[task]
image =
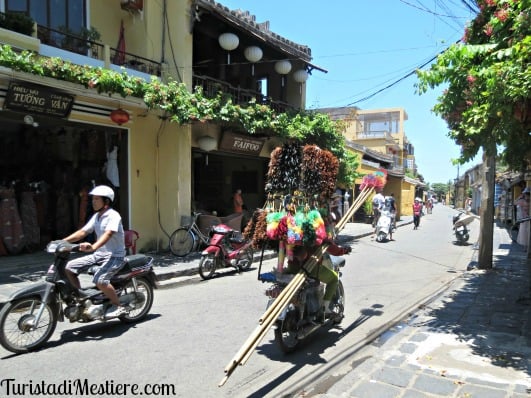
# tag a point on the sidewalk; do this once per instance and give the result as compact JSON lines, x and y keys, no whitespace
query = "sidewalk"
{"x":474,"y":340}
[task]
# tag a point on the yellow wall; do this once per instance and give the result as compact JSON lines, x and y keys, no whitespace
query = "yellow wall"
{"x":160,"y":151}
{"x":408,"y":197}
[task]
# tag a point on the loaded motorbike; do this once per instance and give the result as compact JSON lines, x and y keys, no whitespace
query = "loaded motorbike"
{"x":304,"y":314}
{"x":226,"y":248}
{"x":29,"y":318}
{"x":460,"y":222}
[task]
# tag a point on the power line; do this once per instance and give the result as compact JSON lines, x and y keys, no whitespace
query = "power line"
{"x":398,"y":80}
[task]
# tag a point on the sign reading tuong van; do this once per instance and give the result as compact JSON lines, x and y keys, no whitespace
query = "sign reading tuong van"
{"x":30,"y":98}
{"x":241,"y":143}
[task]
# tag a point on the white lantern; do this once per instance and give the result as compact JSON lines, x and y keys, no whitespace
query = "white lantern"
{"x":229,"y":42}
{"x":253,"y":54}
{"x":207,"y":144}
{"x":300,"y":76}
{"x":282,"y":68}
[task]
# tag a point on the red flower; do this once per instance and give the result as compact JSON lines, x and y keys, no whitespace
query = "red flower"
{"x":488,"y":30}
{"x":471,"y":79}
{"x":502,"y":15}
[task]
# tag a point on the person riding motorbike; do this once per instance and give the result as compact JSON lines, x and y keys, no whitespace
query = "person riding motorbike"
{"x":108,"y":251}
{"x":378,"y":201}
{"x":323,"y":271}
{"x":390,"y":205}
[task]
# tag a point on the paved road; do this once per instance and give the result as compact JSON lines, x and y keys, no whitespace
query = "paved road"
{"x":196,"y":329}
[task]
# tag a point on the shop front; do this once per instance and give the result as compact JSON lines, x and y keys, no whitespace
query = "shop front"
{"x":234,"y":161}
{"x":49,"y":163}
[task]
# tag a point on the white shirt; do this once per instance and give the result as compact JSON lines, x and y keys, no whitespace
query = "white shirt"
{"x":378,"y":200}
{"x":108,"y":221}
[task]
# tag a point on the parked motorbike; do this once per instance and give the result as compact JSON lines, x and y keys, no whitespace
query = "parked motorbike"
{"x":304,"y":314}
{"x":226,"y":248}
{"x":460,"y":222}
{"x":30,"y":316}
{"x":384,"y":226}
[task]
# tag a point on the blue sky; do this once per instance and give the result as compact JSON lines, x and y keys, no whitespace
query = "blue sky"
{"x":367,"y":45}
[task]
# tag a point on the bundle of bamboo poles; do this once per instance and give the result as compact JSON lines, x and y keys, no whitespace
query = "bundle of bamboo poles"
{"x":273,"y":312}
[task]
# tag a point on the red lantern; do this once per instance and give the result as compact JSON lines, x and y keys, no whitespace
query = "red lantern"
{"x":119,"y":116}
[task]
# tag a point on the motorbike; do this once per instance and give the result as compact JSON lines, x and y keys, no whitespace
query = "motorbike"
{"x":460,"y":222}
{"x":226,"y":248}
{"x":29,"y":318}
{"x":384,"y":226}
{"x":304,"y":314}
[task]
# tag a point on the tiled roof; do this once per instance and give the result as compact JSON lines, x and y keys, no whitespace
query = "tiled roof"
{"x":246,"y":21}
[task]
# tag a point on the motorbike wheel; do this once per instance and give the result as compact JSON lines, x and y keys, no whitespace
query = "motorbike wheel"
{"x":181,"y":242}
{"x":142,"y":303}
{"x":246,"y":259}
{"x":286,"y":332}
{"x":16,"y":319}
{"x":338,"y":304}
{"x":207,"y":266}
{"x":380,"y":237}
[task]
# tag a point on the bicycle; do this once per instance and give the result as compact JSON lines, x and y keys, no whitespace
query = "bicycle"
{"x":186,"y":239}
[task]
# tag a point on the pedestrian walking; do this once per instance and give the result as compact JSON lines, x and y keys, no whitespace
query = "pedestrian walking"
{"x":237,"y":201}
{"x":417,"y":209}
{"x":523,"y":227}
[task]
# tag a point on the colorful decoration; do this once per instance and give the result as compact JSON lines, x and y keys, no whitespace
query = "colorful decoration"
{"x":376,"y":180}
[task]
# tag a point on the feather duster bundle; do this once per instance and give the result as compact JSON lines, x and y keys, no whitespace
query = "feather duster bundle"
{"x":376,"y":180}
{"x":256,"y":229}
{"x":319,"y":171}
{"x":284,"y":168}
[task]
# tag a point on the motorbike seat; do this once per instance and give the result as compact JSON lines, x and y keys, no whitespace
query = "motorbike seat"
{"x":130,"y":262}
{"x":337,"y":261}
{"x":88,"y":292}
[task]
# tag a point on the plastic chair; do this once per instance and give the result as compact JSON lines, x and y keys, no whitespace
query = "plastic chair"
{"x":131,"y":237}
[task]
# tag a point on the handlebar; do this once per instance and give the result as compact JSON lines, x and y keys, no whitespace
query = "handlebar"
{"x":62,"y":246}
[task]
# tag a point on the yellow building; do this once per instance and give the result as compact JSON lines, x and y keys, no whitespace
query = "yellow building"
{"x":378,"y":137}
{"x":161,"y":171}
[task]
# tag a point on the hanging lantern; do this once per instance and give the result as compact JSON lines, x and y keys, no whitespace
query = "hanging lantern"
{"x":229,"y":42}
{"x":119,"y":116}
{"x":283,"y":67}
{"x":207,"y":144}
{"x":253,"y":54}
{"x":300,"y":76}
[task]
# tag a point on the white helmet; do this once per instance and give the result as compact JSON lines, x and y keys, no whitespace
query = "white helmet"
{"x":104,"y":191}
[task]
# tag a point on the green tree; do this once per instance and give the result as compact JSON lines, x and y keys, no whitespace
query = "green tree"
{"x":487,"y":103}
{"x":440,"y":189}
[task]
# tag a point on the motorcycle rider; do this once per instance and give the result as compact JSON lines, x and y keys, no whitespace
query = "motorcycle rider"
{"x":323,"y":272}
{"x":378,"y":202}
{"x":390,"y":205}
{"x":108,"y":250}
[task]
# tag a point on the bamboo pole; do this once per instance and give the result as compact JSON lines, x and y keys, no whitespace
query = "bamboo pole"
{"x":283,"y":299}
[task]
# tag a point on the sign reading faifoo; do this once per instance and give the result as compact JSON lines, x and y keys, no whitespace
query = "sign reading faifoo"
{"x":232,"y":142}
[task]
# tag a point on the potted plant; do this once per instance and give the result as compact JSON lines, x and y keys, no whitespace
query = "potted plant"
{"x":17,"y":22}
{"x":367,"y":208}
{"x":79,"y":42}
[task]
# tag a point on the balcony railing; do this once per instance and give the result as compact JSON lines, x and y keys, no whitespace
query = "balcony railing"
{"x":82,"y":46}
{"x":374,"y":134}
{"x":211,"y":87}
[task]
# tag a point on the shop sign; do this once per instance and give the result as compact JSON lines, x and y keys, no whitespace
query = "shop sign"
{"x":22,"y":97}
{"x":241,"y":143}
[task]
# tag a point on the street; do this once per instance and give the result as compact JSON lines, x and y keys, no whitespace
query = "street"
{"x":194,"y":330}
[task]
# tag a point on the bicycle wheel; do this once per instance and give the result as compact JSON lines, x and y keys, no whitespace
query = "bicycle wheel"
{"x":182,"y":242}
